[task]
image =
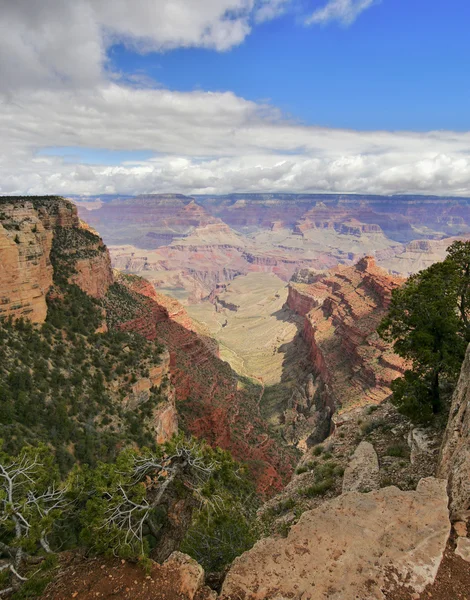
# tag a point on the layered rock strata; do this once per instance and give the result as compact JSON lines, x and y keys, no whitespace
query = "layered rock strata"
{"x":25,"y":266}
{"x":30,"y":230}
{"x":210,"y":401}
{"x":341,"y":311}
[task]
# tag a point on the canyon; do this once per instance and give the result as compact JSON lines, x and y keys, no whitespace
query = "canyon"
{"x":229,"y":261}
{"x":205,"y":396}
{"x":187,"y":245}
{"x":280,"y":364}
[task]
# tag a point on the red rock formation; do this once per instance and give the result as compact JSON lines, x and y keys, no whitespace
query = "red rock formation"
{"x":209,"y":400}
{"x":342,"y":310}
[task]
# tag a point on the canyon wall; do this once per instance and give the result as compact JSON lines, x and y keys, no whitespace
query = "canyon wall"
{"x":341,"y":311}
{"x":211,"y":403}
{"x":30,"y":230}
{"x":43,"y":244}
{"x":454,"y":460}
{"x":187,"y":245}
{"x":25,"y":267}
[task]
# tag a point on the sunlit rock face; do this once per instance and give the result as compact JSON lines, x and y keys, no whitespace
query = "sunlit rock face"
{"x":342,"y":310}
{"x":359,"y":545}
{"x":454,"y":462}
{"x":30,"y":230}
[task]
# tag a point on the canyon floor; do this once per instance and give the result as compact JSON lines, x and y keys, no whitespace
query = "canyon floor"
{"x":258,"y":336}
{"x":248,"y":320}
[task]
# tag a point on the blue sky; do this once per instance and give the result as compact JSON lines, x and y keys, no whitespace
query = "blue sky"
{"x":220,"y":96}
{"x":403,"y":64}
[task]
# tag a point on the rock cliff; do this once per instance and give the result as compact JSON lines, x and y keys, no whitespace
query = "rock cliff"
{"x":210,"y":400}
{"x":31,"y":229}
{"x":25,"y":267}
{"x":341,"y":311}
{"x":454,"y":460}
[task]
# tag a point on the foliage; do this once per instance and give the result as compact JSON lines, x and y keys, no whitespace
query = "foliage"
{"x":64,"y":384}
{"x":125,"y":508}
{"x":398,"y":451}
{"x":124,"y":305}
{"x":225,"y":525}
{"x":325,"y":475}
{"x":129,"y":502}
{"x":33,"y":500}
{"x":428,"y":323}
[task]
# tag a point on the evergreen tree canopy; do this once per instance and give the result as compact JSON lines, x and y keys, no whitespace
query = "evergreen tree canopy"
{"x":428,"y":323}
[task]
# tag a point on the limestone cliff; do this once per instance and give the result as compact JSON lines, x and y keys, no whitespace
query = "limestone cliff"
{"x":454,"y":460}
{"x":34,"y":231}
{"x":341,"y":311}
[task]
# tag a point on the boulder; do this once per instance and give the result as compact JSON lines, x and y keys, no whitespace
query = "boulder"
{"x":354,"y":546}
{"x":420,"y":444}
{"x":463,"y":548}
{"x":190,"y":574}
{"x":362,"y":472}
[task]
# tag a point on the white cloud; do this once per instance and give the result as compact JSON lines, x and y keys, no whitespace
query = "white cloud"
{"x":267,"y":10}
{"x":212,"y":143}
{"x":57,"y":42}
{"x":343,"y":11}
{"x":56,"y":94}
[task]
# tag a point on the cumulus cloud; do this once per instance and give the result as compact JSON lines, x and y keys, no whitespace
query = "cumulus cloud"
{"x":343,"y":11}
{"x":57,"y":42}
{"x":206,"y":142}
{"x":57,"y":95}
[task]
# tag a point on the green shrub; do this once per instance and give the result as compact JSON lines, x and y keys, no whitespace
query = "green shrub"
{"x":318,"y":489}
{"x":398,"y":451}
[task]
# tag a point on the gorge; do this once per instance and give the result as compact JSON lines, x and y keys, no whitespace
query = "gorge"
{"x":276,"y":360}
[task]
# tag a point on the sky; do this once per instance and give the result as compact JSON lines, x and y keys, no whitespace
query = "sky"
{"x":222,"y":96}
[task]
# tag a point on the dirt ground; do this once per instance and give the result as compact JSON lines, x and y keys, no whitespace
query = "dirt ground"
{"x":88,"y":579}
{"x":452,"y":581}
{"x":112,"y":579}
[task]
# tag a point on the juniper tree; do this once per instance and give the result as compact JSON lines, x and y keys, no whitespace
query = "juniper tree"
{"x":428,"y":323}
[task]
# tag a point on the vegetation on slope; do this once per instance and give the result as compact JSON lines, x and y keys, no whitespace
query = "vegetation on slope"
{"x":139,"y":506}
{"x":63,"y":384}
{"x":78,"y":468}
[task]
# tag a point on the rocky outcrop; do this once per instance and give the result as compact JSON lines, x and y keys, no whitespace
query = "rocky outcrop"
{"x":25,"y":266}
{"x":94,"y":274}
{"x":338,"y":219}
{"x":454,"y":460}
{"x":362,"y":473}
{"x":38,"y":235}
{"x":164,"y":417}
{"x":355,"y":546}
{"x":341,"y":311}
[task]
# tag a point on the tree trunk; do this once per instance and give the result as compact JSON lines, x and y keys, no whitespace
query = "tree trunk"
{"x":179,"y":519}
